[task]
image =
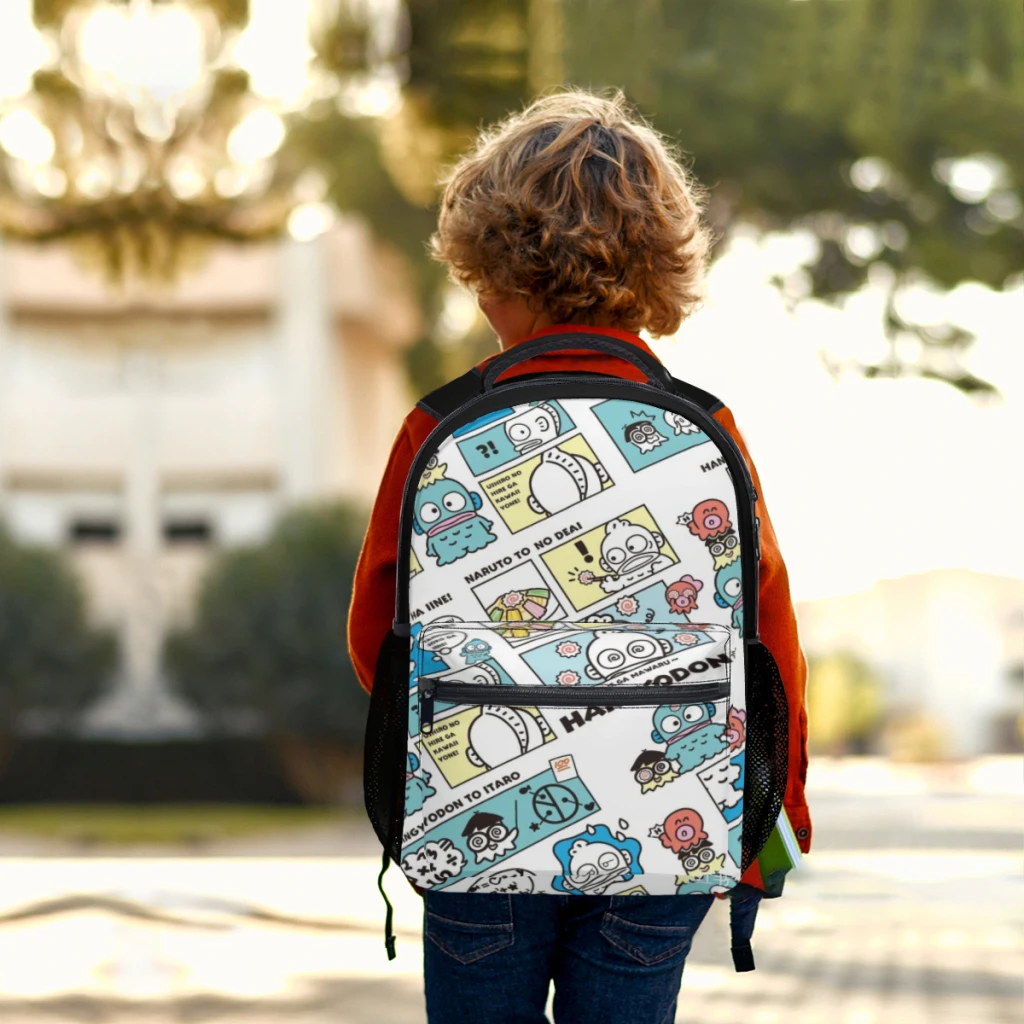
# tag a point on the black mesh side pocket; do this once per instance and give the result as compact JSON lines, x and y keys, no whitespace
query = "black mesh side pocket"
{"x":386,"y":746}
{"x":767,"y":753}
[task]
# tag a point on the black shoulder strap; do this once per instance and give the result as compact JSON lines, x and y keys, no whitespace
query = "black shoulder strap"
{"x":704,"y":399}
{"x":446,"y":399}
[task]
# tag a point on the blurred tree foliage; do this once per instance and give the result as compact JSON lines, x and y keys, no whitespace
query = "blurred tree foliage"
{"x":845,"y":118}
{"x":52,"y":663}
{"x":844,"y":702}
{"x":268,"y":638}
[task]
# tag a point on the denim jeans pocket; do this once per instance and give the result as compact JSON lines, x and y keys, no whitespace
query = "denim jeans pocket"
{"x":469,"y":926}
{"x":653,"y":929}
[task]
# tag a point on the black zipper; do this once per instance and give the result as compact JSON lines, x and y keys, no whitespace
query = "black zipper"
{"x":506,"y":395}
{"x":562,"y":697}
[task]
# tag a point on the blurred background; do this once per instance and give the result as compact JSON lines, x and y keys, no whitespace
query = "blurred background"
{"x":215,"y":309}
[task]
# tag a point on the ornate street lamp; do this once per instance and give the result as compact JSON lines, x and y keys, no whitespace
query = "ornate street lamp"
{"x":146,"y":129}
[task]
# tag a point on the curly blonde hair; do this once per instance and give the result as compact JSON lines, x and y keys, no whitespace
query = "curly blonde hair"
{"x":578,"y":205}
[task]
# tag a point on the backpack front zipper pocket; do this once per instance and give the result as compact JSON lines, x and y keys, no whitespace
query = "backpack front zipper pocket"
{"x":608,"y":697}
{"x":628,"y":677}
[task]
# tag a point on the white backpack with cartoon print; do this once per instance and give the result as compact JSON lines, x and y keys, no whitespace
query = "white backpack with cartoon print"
{"x":573,"y":698}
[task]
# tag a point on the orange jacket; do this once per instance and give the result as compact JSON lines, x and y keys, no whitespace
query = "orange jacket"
{"x":373,"y":595}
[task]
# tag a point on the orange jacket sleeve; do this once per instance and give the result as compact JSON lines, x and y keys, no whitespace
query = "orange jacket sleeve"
{"x":777,"y":625}
{"x":373,"y":590}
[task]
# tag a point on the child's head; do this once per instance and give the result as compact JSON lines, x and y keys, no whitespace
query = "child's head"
{"x":579,"y":208}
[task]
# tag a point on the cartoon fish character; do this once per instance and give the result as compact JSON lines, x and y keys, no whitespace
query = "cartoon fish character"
{"x":448,"y":514}
{"x":417,"y":785}
{"x":653,"y":769}
{"x":613,"y":652}
{"x":562,"y":480}
{"x":533,"y":427}
{"x":729,"y":590}
{"x":689,"y":733}
{"x":596,"y":859}
{"x":630,"y":552}
{"x":475,"y":650}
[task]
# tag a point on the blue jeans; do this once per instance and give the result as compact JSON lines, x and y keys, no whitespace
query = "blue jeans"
{"x":488,"y":958}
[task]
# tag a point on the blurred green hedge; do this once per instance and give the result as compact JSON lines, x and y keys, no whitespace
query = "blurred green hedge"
{"x":266,"y":650}
{"x":53,"y":664}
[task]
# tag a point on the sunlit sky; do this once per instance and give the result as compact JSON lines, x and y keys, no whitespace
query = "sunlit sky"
{"x":864,"y":480}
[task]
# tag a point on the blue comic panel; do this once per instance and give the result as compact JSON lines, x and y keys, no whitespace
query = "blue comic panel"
{"x":523,"y":433}
{"x":646,"y":435}
{"x":473,"y":840}
{"x":617,"y":656}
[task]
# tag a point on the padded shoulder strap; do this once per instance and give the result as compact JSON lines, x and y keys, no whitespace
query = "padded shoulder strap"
{"x":448,"y":397}
{"x":704,"y":399}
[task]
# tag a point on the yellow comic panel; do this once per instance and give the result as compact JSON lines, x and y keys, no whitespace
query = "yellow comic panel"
{"x":471,"y":742}
{"x":551,"y":482}
{"x":619,"y":554}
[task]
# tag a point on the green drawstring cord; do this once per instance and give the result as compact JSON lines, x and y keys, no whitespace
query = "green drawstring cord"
{"x":389,"y":934}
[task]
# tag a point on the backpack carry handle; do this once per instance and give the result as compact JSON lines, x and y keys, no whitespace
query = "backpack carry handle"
{"x":655,"y":373}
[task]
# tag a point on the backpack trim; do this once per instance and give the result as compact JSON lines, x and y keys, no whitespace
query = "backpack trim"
{"x":443,"y":401}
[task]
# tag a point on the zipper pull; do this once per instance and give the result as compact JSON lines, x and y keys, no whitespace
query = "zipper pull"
{"x":426,"y":705}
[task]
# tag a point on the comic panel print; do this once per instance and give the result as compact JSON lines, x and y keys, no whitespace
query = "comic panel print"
{"x":474,"y":740}
{"x":558,"y":478}
{"x":617,"y":656}
{"x":645,"y":435}
{"x":619,"y":554}
{"x":521,"y":433}
{"x":659,"y":602}
{"x":518,"y":600}
{"x":470,"y":840}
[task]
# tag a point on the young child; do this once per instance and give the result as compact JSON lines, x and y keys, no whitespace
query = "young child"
{"x":571,"y":215}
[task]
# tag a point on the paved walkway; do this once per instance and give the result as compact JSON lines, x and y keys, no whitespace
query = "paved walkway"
{"x":908,"y":912}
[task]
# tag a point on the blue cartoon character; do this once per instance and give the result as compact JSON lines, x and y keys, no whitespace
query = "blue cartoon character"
{"x":448,"y":514}
{"x":417,"y":787}
{"x":476,"y":650}
{"x":690,"y":734}
{"x":729,"y":590}
{"x":596,"y":859}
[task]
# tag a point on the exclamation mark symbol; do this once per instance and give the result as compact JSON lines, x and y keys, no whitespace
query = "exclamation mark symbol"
{"x":488,"y":449}
{"x":582,"y":549}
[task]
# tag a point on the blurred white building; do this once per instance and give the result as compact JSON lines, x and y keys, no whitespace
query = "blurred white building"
{"x":948,"y":642}
{"x":142,"y":431}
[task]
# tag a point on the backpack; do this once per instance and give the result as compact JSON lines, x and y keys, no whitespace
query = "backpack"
{"x":573,"y":698}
